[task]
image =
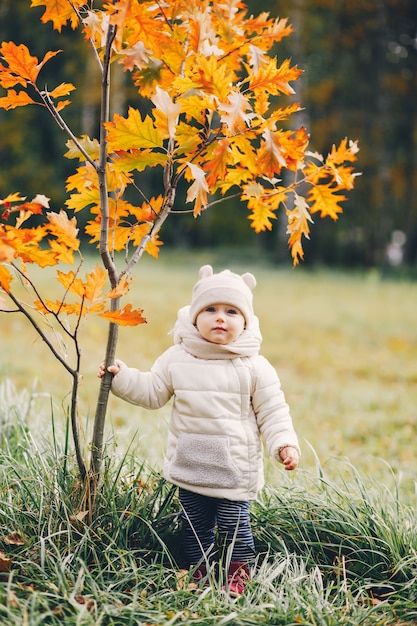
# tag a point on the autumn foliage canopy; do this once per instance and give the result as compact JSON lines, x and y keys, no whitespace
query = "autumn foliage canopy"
{"x":219,"y":119}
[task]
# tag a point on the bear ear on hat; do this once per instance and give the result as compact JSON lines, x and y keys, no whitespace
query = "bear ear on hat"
{"x":205,"y":271}
{"x":249,"y":279}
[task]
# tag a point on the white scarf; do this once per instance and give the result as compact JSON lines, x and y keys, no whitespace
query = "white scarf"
{"x":247,"y":344}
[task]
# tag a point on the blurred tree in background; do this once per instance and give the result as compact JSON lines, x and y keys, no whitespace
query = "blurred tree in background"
{"x":360,"y":62}
{"x":360,"y":80}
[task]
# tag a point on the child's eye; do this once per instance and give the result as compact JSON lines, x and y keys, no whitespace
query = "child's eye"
{"x":232,"y":311}
{"x":210,"y":309}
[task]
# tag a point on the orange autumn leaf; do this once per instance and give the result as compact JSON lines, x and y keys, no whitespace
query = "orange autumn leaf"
{"x":325,"y":200}
{"x":71,"y":283}
{"x":91,"y":289}
{"x":125,"y":316}
{"x":263,"y":205}
{"x":22,"y":67}
{"x":343,"y":152}
{"x":271,"y":156}
{"x":5,"y":276}
{"x":152,"y":247}
{"x":216,"y":166}
{"x":95,"y":283}
{"x":15,"y":99}
{"x":63,"y":254}
{"x":121,"y":288}
{"x":62,"y":90}
{"x":261,"y":216}
{"x":59,"y":12}
{"x":275,"y":80}
{"x":64,"y":229}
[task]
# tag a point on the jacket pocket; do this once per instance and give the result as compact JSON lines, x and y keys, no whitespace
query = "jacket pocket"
{"x":204,"y":461}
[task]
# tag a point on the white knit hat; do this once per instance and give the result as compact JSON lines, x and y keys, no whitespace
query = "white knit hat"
{"x":225,"y":287}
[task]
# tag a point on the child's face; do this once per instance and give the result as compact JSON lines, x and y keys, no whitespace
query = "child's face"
{"x":220,"y":323}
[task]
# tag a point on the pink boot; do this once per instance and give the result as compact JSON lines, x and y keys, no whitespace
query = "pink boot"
{"x":237,"y":578}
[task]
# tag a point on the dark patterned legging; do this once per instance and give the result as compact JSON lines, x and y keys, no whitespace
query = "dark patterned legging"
{"x":201,"y":516}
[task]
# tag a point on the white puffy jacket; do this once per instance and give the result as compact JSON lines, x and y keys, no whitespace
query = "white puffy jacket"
{"x":221,"y":408}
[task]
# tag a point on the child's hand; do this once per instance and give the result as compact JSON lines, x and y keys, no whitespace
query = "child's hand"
{"x":289,"y":457}
{"x":114,"y":369}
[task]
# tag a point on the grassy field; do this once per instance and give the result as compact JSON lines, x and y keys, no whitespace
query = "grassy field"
{"x":337,"y":539}
{"x":345,"y":347}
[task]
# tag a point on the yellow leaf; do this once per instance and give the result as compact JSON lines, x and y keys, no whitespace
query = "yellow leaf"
{"x":96,"y":281}
{"x":58,"y":307}
{"x":13,"y":197}
{"x":314,"y":173}
{"x":186,"y":139}
{"x":26,"y":245}
{"x":235,"y":177}
{"x":139,"y":232}
{"x":91,"y":146}
{"x":261,"y":216}
{"x":152,"y":247}
{"x":195,"y":106}
{"x":275,"y":80}
{"x":243,"y":153}
{"x":343,"y":152}
{"x":125,"y":316}
{"x":5,"y":277}
{"x":324,"y":199}
{"x":62,"y":90}
{"x":132,"y":132}
{"x":136,"y":159}
{"x":211,"y":76}
{"x":263,"y":204}
{"x":62,"y":252}
{"x":344,"y":176}
{"x":85,"y":177}
{"x":71,"y":283}
{"x":87,"y":197}
{"x":121,"y":288}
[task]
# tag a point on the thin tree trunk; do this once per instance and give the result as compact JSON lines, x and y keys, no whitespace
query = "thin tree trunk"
{"x":100,"y":415}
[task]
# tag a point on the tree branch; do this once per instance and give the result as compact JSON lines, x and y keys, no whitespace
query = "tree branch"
{"x":104,"y":206}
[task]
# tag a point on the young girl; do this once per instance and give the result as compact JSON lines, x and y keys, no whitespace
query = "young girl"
{"x":226,"y":399}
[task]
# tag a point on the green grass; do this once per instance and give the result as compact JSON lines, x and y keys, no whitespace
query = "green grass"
{"x":337,"y":539}
{"x":331,"y":553}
